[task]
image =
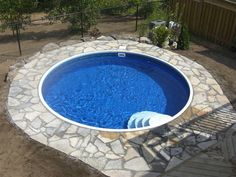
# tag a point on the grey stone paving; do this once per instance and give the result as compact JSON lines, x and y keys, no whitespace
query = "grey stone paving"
{"x":143,"y":153}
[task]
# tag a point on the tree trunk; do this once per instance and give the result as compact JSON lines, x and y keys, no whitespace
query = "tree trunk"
{"x":13,"y":32}
{"x":18,"y":38}
{"x":81,"y":18}
{"x":137,"y":13}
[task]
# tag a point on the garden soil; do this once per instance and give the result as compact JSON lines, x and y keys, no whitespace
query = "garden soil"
{"x":21,"y":157}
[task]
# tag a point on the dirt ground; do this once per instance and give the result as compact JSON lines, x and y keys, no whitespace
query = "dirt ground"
{"x":20,"y":157}
{"x":219,"y":61}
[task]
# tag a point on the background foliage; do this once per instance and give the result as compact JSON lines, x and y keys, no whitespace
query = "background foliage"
{"x":14,"y":12}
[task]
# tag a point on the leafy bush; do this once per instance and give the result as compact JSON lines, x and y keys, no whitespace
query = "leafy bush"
{"x":159,"y":35}
{"x":183,"y":42}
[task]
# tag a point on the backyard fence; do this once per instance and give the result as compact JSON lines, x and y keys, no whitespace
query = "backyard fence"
{"x":214,"y":20}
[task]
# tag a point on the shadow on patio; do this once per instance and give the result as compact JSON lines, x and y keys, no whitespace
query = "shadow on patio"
{"x":168,"y":147}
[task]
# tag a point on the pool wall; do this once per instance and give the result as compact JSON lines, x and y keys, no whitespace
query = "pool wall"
{"x":67,"y":61}
{"x":138,"y":153}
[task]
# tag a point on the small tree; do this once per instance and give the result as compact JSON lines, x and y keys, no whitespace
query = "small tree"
{"x":81,"y":14}
{"x":176,"y":14}
{"x":14,"y":14}
{"x":183,"y":42}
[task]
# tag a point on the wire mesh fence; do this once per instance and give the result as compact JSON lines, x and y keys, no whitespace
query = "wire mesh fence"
{"x":42,"y":31}
{"x":43,"y":28}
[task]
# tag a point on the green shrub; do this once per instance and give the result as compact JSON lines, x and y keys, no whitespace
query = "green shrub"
{"x":183,"y":42}
{"x":159,"y":35}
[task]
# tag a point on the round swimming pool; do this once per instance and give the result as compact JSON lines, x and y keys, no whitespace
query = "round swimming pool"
{"x":103,"y":90}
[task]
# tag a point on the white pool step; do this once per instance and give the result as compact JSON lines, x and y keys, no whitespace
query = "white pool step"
{"x":138,"y":122}
{"x":145,"y":121}
{"x":148,"y":118}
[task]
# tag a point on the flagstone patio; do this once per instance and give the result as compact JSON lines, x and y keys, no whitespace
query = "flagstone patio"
{"x":141,"y":153}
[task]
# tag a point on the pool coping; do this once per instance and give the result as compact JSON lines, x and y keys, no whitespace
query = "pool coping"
{"x":125,"y":153}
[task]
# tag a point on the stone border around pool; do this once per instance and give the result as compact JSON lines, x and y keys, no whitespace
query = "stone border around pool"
{"x":143,"y":153}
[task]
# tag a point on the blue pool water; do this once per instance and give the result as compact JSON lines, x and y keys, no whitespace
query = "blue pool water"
{"x":104,"y":90}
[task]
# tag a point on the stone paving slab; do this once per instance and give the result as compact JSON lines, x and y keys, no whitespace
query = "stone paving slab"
{"x":143,"y":153}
